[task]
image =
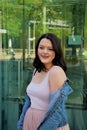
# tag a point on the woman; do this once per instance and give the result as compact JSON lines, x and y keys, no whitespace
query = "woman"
{"x":44,"y":108}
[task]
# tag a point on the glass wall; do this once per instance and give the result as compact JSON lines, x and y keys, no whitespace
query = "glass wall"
{"x":21,"y":23}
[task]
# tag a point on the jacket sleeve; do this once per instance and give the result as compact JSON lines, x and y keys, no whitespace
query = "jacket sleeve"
{"x":25,"y":107}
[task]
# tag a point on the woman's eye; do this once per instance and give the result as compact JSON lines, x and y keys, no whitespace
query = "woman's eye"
{"x":41,"y":47}
{"x":51,"y":49}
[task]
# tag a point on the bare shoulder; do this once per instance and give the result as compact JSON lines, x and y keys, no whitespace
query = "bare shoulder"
{"x":57,"y":77}
{"x":56,"y":69}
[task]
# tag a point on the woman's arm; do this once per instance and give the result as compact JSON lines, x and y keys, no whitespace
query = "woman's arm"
{"x":25,"y":107}
{"x":57,"y":77}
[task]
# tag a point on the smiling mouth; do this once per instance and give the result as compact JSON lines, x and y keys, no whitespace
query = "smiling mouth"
{"x":44,"y":56}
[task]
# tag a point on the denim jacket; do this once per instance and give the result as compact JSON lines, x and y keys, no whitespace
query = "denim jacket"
{"x":55,"y":117}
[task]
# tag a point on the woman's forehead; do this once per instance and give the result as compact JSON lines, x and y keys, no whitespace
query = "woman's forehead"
{"x":45,"y":41}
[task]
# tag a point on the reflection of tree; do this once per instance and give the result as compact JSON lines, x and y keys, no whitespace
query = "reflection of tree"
{"x":13,"y":14}
{"x":78,"y":14}
{"x":14,"y":11}
{"x":15,"y":19}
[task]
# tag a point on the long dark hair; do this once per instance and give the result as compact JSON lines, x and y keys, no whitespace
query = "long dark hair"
{"x":59,"y":58}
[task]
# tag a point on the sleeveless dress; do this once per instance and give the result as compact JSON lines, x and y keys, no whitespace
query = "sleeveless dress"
{"x":39,"y":94}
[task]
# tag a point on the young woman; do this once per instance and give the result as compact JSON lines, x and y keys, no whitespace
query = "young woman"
{"x":44,"y":108}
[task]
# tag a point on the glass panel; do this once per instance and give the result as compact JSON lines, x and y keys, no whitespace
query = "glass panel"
{"x":74,"y":56}
{"x":21,"y":23}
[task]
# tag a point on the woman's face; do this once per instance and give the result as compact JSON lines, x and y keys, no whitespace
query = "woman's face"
{"x":45,"y":52}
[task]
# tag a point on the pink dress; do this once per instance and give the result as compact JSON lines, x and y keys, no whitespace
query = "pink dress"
{"x":39,"y":94}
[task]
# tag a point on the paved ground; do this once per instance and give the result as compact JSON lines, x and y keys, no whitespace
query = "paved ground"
{"x":17,"y":55}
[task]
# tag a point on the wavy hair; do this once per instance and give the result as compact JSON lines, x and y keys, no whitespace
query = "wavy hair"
{"x":59,"y":58}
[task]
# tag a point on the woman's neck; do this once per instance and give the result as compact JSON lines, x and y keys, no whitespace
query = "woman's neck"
{"x":48,"y":67}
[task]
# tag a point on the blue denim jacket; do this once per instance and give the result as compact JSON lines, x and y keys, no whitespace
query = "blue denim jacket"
{"x":55,"y":117}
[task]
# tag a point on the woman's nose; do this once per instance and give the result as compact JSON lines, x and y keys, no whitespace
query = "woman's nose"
{"x":45,"y":50}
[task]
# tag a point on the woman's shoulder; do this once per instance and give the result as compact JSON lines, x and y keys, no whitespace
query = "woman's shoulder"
{"x":56,"y":69}
{"x":57,"y":72}
{"x":57,"y":77}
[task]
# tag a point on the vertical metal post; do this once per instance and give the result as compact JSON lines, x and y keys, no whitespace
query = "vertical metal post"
{"x":23,"y":33}
{"x":19,"y":78}
{"x":34,"y":36}
{"x":0,"y":37}
{"x":29,"y":39}
{"x":44,"y":19}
